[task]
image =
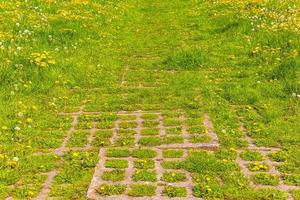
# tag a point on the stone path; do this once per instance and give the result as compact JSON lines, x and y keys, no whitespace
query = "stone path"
{"x":155,"y":131}
{"x":97,"y":181}
{"x":100,"y":169}
{"x":272,"y":170}
{"x":151,"y":130}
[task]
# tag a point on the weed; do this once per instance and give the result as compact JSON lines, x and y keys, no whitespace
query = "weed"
{"x":256,"y":166}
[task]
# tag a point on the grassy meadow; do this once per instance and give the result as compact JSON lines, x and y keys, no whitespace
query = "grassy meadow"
{"x":238,"y":61}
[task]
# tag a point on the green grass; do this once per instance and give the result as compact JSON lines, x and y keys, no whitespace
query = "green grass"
{"x":172,"y":122}
{"x":113,"y":175}
{"x":144,"y":164}
{"x":105,"y":125}
{"x":117,"y":153}
{"x":171,"y":191}
{"x":186,"y":60}
{"x":173,"y":177}
{"x":101,"y":138}
{"x":144,"y":175}
{"x":270,"y":194}
{"x":172,"y":153}
{"x":296,"y":194}
{"x":128,"y":124}
{"x":233,"y":60}
{"x":199,"y":138}
{"x":140,"y":190}
{"x":143,"y":153}
{"x":265,"y":179}
{"x":172,"y":140}
{"x":78,"y":139}
{"x":150,"y":124}
{"x":72,"y":177}
{"x":251,"y":155}
{"x":150,"y":141}
{"x":126,"y":132}
{"x":257,"y":166}
{"x":173,"y":131}
{"x":292,"y":179}
{"x":196,"y":129}
{"x":149,"y":116}
{"x":116,"y":163}
{"x":172,"y":164}
{"x":127,"y":117}
{"x":149,"y":132}
{"x":84,"y":125}
{"x":108,"y":190}
{"x":125,"y":141}
{"x":278,"y":156}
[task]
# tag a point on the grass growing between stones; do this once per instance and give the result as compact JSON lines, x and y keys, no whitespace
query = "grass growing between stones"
{"x":130,"y":76}
{"x":139,"y":190}
{"x":113,"y":175}
{"x":171,"y":191}
{"x":265,"y":179}
{"x":144,"y":175}
{"x":108,"y":190}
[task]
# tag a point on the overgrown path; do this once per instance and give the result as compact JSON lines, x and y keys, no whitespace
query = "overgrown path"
{"x":152,"y":100}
